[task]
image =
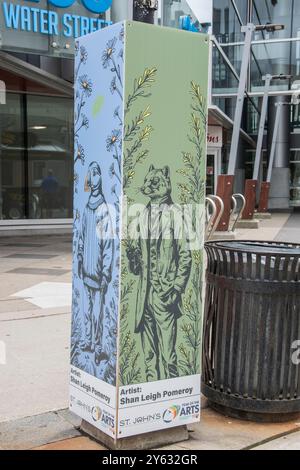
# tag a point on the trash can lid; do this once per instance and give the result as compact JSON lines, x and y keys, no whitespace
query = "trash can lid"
{"x":259,"y":247}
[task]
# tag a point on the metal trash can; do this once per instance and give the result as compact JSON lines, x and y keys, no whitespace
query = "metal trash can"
{"x":251,"y":347}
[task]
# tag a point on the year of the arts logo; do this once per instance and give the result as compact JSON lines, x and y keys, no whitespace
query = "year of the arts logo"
{"x":171,"y":413}
{"x":181,"y":412}
{"x":101,"y":416}
{"x":96,"y":413}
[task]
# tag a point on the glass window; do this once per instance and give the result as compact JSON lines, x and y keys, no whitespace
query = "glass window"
{"x":275,"y":12}
{"x":295,"y":118}
{"x":295,"y":60}
{"x":296,"y":20}
{"x":50,"y":122}
{"x":173,"y":10}
{"x":253,"y":115}
{"x":226,"y":25}
{"x":272,"y":58}
{"x":227,"y":105}
{"x":12,"y":158}
{"x":249,"y":163}
{"x":223,"y":80}
{"x":36,"y":163}
{"x":234,"y":54}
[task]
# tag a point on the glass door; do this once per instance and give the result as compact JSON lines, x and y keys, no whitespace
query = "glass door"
{"x":213,"y":169}
{"x":12,"y":158}
{"x":50,"y":157}
{"x":36,"y":157}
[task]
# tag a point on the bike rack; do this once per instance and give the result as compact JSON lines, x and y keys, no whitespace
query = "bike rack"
{"x":214,"y":220}
{"x":209,"y":217}
{"x":235,"y":198}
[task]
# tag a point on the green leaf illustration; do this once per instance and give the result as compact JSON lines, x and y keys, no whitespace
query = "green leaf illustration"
{"x":97,"y":105}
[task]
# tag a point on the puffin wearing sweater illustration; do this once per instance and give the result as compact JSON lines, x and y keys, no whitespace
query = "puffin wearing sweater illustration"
{"x":95,"y":263}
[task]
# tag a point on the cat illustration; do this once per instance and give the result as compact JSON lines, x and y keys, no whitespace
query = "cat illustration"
{"x":163,"y":263}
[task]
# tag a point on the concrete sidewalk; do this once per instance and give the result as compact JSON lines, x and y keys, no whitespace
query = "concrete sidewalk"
{"x":35,"y":304}
{"x":59,"y":430}
{"x":36,"y":333}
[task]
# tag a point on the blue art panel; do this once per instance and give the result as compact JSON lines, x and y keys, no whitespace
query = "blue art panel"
{"x":97,"y":189}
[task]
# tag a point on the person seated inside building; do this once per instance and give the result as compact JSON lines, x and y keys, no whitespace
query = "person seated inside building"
{"x":49,"y":189}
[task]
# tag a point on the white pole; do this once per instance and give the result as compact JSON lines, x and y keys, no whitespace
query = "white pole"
{"x":263,"y":116}
{"x":274,"y":139}
{"x":249,"y":29}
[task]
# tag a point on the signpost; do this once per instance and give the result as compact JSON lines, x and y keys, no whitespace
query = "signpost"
{"x":140,"y":166}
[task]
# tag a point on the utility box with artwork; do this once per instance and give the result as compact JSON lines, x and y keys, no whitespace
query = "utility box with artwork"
{"x":140,"y":158}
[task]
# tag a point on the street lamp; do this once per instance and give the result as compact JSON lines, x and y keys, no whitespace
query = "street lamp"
{"x":251,"y":184}
{"x":269,"y":27}
{"x":225,"y":182}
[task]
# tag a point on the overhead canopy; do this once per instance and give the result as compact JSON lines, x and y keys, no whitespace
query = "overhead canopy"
{"x":19,"y":75}
{"x":216,"y":117}
{"x":202,"y":9}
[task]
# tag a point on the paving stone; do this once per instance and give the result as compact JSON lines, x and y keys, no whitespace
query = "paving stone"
{"x":78,"y":443}
{"x":288,"y":442}
{"x":29,"y":256}
{"x":36,"y":376}
{"x":47,"y":294}
{"x":218,"y":432}
{"x":22,"y":245}
{"x":35,"y":431}
{"x":268,"y":229}
{"x":291,"y":230}
{"x":70,"y":417}
{"x":14,"y":305}
{"x":30,"y":312}
{"x":39,"y":271}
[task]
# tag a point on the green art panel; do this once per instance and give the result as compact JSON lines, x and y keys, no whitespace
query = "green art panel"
{"x":164,"y":159}
{"x":139,"y":191}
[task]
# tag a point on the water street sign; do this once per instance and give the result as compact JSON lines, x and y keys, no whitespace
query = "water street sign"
{"x":50,"y":26}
